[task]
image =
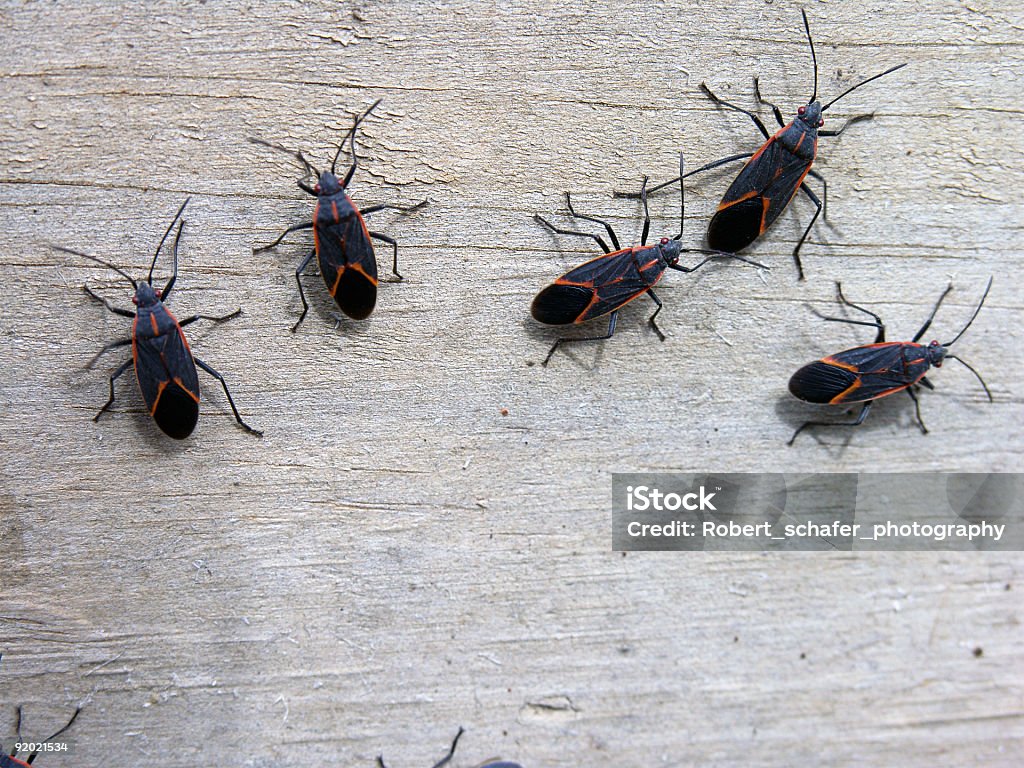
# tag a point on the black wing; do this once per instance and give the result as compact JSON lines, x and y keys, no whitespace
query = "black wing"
{"x":614,"y":279}
{"x":167,"y":375}
{"x":345,"y":255}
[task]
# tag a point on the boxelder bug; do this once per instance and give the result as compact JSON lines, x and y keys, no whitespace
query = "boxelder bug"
{"x":164,"y":365}
{"x":868,"y":373}
{"x":773,"y":174}
{"x":12,"y":761}
{"x":341,"y":241}
{"x":451,"y":753}
{"x":609,"y":282}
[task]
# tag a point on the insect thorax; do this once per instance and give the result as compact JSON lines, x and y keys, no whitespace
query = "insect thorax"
{"x":936,"y":353}
{"x":145,"y":296}
{"x":328,"y":184}
{"x":669,"y":250}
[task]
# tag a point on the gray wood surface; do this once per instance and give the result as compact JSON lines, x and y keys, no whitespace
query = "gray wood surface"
{"x":397,"y":557}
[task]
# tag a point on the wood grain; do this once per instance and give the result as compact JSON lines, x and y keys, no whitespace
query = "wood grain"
{"x":396,"y":557}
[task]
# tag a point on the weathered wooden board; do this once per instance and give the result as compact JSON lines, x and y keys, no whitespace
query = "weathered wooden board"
{"x":396,"y":557}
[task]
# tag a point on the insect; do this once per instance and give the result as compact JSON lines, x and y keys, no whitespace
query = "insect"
{"x":341,"y":240}
{"x":774,"y":173}
{"x":164,"y":365}
{"x":451,"y":753}
{"x":877,"y":370}
{"x":605,"y":284}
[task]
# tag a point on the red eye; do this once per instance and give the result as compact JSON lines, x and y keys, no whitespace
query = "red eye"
{"x":821,"y":122}
{"x":801,"y":111}
{"x":135,"y":301}
{"x":317,"y":189}
{"x":664,"y":241}
{"x":935,"y":343}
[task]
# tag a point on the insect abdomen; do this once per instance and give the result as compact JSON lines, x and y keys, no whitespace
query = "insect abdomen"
{"x":355,"y":293}
{"x":821,"y":382}
{"x":176,"y":411}
{"x":561,"y":304}
{"x":734,"y":228}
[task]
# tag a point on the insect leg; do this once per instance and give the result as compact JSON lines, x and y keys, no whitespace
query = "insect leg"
{"x":647,"y":213}
{"x":917,"y":409}
{"x":17,"y":731}
{"x":400,"y":208}
{"x":231,"y":402}
{"x":394,"y":245}
{"x":302,"y":294}
{"x":857,"y":423}
{"x":105,"y":349}
{"x":824,"y":191}
{"x":611,"y":332}
{"x":761,"y":100}
{"x":295,"y":228}
{"x":757,"y":120}
{"x":654,"y":325}
{"x":541,"y":220}
{"x":847,"y":302}
{"x":444,"y":760}
{"x":451,"y":752}
{"x":602,"y":222}
{"x":814,"y":218}
{"x":113,"y":376}
{"x":215,"y":319}
{"x":879,"y":338}
{"x":107,"y":304}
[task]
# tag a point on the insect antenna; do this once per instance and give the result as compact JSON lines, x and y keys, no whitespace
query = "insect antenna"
{"x":66,"y":726}
{"x":149,"y":277}
{"x":863,"y":82}
{"x":107,"y":264}
{"x":977,"y":375}
{"x":307,"y":166}
{"x":352,"y":133}
{"x":814,"y":58}
{"x":682,"y":199}
{"x":976,"y":311}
